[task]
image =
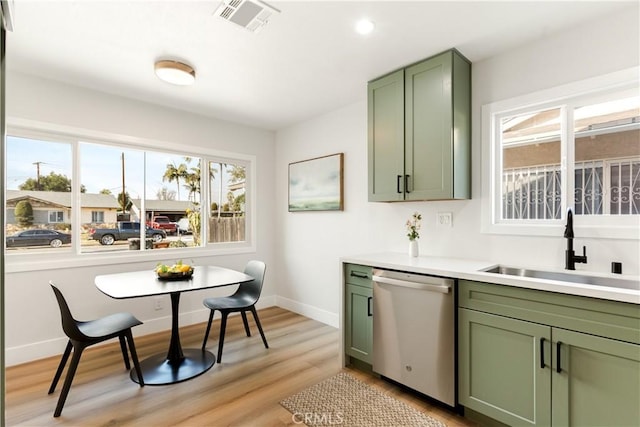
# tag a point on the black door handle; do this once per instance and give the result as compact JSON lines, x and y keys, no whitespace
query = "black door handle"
{"x":398,"y":183}
{"x":542,"y":365}
{"x":406,"y":184}
{"x":558,"y":368}
{"x":369,"y":313}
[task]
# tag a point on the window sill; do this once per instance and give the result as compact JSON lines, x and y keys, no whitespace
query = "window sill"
{"x":18,"y":263}
{"x":622,"y":232}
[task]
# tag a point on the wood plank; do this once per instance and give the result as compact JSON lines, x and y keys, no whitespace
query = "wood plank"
{"x":244,"y":390}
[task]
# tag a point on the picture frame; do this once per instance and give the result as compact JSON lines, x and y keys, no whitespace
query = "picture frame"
{"x":317,"y":184}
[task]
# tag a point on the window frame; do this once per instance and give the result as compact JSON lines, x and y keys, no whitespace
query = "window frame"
{"x":74,"y":257}
{"x":566,"y":97}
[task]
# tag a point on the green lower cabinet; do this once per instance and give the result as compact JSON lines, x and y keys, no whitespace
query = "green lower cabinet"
{"x":359,"y":322}
{"x":508,"y":371}
{"x":500,"y":369}
{"x":598,"y":383}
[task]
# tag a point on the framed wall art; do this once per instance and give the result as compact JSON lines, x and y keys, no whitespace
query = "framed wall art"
{"x":316,"y":184}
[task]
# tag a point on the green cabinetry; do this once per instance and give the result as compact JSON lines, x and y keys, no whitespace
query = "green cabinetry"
{"x":419,"y":131}
{"x":358,"y":312}
{"x":537,"y":358}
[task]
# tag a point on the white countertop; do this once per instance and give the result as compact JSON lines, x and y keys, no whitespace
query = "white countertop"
{"x":473,"y":270}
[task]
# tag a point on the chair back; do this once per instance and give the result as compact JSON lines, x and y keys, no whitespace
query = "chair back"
{"x":69,"y":324}
{"x":252,"y":290}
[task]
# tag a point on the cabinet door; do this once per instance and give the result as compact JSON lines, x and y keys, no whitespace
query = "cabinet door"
{"x":386,"y":138}
{"x":359,"y":323}
{"x":500,"y":368}
{"x":428,"y":129}
{"x":598,"y":383}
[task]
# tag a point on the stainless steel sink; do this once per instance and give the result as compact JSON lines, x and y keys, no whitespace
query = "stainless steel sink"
{"x":612,"y":282}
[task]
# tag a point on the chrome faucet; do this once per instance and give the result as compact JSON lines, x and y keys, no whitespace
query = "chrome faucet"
{"x":570,"y":256}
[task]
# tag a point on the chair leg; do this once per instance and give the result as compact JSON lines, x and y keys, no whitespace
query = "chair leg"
{"x":125,"y":355}
{"x":255,"y":317}
{"x":223,"y":328}
{"x":63,"y":362}
{"x":206,"y":334}
{"x":246,"y":323}
{"x":134,"y":356}
{"x":77,"y":352}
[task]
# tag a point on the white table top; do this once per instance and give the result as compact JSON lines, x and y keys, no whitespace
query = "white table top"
{"x":146,"y":283}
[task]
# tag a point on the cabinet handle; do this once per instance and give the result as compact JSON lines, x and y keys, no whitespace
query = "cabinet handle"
{"x":359,"y":276}
{"x":542,"y":365}
{"x":398,"y":183}
{"x":558,"y":368}
{"x":406,"y":183}
{"x":369,"y":313}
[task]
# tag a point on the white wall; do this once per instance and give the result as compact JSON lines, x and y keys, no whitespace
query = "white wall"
{"x":32,"y":318}
{"x":311,"y":243}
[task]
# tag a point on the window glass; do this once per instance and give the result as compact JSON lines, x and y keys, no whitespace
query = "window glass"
{"x":56,"y":216}
{"x":97,"y":216}
{"x":114,"y":180}
{"x":228,"y":201}
{"x":173,"y":196}
{"x":531,"y":179}
{"x":38,"y":193}
{"x":125,"y":193}
{"x":607,"y":157}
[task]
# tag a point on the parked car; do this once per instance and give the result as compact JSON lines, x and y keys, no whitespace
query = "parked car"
{"x":163,"y":223}
{"x":183,"y":226}
{"x":123,"y":231}
{"x":38,"y":237}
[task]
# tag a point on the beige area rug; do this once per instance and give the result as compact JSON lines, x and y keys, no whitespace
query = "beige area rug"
{"x":343,"y":400}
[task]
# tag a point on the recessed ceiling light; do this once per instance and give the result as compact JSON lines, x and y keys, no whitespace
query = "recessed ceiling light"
{"x":364,"y":26}
{"x":174,"y":72}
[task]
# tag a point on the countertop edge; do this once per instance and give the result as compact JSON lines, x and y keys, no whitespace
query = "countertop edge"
{"x":459,"y":268}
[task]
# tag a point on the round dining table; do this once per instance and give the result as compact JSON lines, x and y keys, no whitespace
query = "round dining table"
{"x":177,"y":364}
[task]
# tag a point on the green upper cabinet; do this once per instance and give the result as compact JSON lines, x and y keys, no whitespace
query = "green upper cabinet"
{"x":386,"y":138}
{"x":419,"y":131}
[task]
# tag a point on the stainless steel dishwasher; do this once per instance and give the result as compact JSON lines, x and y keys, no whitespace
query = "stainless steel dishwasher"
{"x":414,"y":332}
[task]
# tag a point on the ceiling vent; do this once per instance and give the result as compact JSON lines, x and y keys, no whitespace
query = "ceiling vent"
{"x":249,"y":14}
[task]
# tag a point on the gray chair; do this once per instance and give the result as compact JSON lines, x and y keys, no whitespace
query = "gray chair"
{"x":84,"y":334}
{"x":243,"y":300}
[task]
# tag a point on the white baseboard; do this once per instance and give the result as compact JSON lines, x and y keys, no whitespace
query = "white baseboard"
{"x":315,"y":313}
{"x":54,"y":347}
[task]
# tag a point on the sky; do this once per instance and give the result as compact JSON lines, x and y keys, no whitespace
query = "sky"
{"x":101,"y":167}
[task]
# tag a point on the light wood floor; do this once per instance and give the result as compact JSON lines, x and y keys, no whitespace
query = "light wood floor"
{"x":244,"y":390}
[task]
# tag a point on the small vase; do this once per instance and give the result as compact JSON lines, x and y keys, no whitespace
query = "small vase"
{"x":413,"y":248}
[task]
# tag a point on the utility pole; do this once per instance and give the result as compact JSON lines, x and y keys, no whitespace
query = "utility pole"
{"x":124,"y":201}
{"x":37,"y":175}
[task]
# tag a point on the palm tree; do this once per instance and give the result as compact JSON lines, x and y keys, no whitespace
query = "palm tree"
{"x":193,"y":185}
{"x":175,"y":173}
{"x":238,"y":173}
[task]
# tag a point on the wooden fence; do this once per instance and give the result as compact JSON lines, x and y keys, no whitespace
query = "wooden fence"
{"x":227,"y":230}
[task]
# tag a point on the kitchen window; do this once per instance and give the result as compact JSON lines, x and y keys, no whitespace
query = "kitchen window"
{"x":102,"y":185}
{"x":550,"y":152}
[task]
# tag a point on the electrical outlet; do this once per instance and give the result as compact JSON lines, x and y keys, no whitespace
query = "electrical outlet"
{"x":157,"y":303}
{"x":444,"y":219}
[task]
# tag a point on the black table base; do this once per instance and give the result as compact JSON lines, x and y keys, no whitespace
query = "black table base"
{"x":158,"y":370}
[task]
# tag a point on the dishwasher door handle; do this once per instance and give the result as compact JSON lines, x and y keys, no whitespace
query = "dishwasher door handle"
{"x":445,"y":289}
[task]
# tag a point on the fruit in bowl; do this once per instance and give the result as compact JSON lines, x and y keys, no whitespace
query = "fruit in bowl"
{"x":176,"y":271}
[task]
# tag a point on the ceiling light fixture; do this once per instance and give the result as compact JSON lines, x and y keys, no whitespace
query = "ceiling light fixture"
{"x":175,"y":72}
{"x":364,"y":26}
